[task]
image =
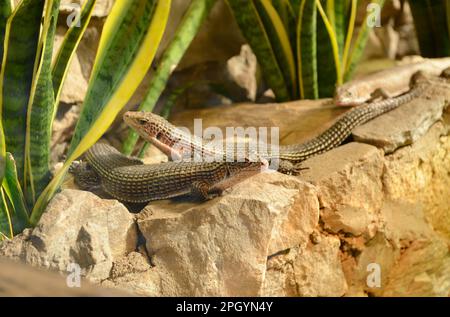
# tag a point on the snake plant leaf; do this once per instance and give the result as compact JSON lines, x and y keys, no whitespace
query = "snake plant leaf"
{"x":360,"y":43}
{"x":18,"y":210}
{"x":333,"y":40}
{"x":423,"y":26}
{"x":340,"y":20}
{"x":280,"y":42}
{"x":307,"y":50}
{"x":68,"y":47}
{"x":6,"y":230}
{"x":285,"y":11}
{"x":117,"y":51}
{"x":5,"y":11}
{"x":289,"y":17}
{"x":130,"y":39}
{"x":6,"y":227}
{"x":40,"y":112}
{"x":296,"y":6}
{"x":253,"y":30}
{"x":20,"y":61}
{"x":196,"y":13}
{"x":326,"y":69}
{"x":439,"y":31}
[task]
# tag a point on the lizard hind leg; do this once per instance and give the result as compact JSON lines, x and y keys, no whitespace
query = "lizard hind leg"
{"x":378,"y":93}
{"x":204,"y":190}
{"x":84,"y":176}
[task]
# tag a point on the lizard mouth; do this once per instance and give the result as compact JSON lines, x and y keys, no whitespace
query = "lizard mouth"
{"x":166,"y":149}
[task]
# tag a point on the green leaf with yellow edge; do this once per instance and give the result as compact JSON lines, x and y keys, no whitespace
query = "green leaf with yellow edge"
{"x":326,"y":70}
{"x":20,"y":62}
{"x":18,"y":210}
{"x":126,"y":16}
{"x":361,"y":40}
{"x":196,"y":13}
{"x":333,"y":40}
{"x":68,"y":47}
{"x":253,"y":30}
{"x":40,"y":112}
{"x":307,"y":50}
{"x":6,"y":227}
{"x":6,"y":7}
{"x":279,"y":39}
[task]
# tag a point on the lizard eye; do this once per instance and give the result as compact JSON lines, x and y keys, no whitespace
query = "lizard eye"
{"x":142,"y":121}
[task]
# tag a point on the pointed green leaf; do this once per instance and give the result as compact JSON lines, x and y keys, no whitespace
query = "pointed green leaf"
{"x":5,"y":11}
{"x":196,"y":13}
{"x":20,"y":62}
{"x":41,"y":111}
{"x":360,"y":43}
{"x":307,"y":50}
{"x":6,"y":228}
{"x":280,"y":42}
{"x":128,"y":44}
{"x":253,"y":30}
{"x":68,"y":47}
{"x":326,"y":69}
{"x":18,"y":210}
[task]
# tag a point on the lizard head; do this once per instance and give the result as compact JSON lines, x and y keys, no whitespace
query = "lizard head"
{"x":344,"y":96}
{"x":158,"y":131}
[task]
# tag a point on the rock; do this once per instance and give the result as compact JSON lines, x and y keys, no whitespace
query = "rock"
{"x":350,"y":189}
{"x":244,"y":70}
{"x":309,"y":270}
{"x":297,"y":121}
{"x":77,"y":227}
{"x":422,"y":270}
{"x":134,"y":274}
{"x":419,"y":174}
{"x":357,"y":264}
{"x":214,"y":42}
{"x":220,"y":248}
{"x":407,"y":123}
{"x":404,"y":222}
{"x":20,"y":280}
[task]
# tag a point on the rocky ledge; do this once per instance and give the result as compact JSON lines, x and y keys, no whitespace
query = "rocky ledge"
{"x":367,"y":218}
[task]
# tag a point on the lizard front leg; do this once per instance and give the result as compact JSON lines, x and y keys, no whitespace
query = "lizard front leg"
{"x":84,"y":176}
{"x":290,"y":168}
{"x":205,"y":190}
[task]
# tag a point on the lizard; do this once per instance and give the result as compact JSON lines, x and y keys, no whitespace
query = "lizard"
{"x":180,"y":145}
{"x":128,"y":179}
{"x":386,"y":83}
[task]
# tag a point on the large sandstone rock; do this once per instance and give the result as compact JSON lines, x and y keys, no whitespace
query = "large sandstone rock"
{"x":220,"y":248}
{"x":311,"y":269}
{"x":408,"y":123}
{"x":350,"y":189}
{"x":77,"y":227}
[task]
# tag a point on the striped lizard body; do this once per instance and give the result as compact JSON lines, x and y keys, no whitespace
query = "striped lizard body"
{"x":129,"y":180}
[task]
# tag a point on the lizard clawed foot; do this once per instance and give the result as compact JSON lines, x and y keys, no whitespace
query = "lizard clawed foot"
{"x":446,"y":73}
{"x":203,"y":189}
{"x":290,"y":168}
{"x":84,"y":176}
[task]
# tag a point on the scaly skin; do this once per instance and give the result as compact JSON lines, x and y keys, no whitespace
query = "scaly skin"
{"x":129,"y":180}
